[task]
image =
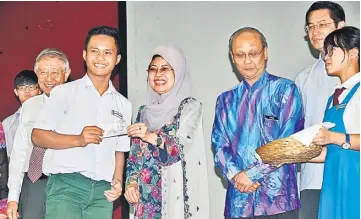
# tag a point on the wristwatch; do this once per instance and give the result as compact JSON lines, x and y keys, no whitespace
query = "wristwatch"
{"x":347,"y":144}
{"x":159,"y":140}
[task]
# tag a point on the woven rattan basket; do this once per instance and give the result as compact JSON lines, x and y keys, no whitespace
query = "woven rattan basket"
{"x":287,"y":150}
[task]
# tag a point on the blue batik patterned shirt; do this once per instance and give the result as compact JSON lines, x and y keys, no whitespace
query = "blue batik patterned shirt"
{"x":246,"y":118}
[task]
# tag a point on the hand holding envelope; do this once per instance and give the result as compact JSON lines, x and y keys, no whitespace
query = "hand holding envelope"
{"x":114,"y":129}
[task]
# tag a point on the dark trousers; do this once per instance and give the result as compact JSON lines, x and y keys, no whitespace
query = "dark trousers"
{"x":287,"y":215}
{"x":310,"y":199}
{"x":32,"y":199}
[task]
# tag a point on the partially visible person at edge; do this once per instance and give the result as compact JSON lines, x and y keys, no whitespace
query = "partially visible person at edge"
{"x":26,"y":192}
{"x":261,"y":109}
{"x":322,"y":18}
{"x":85,"y":170}
{"x":166,"y":168}
{"x":3,"y":174}
{"x":340,"y":193}
{"x":25,"y":87}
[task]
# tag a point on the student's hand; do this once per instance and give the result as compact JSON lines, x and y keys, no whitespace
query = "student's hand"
{"x":132,"y":194}
{"x":3,"y":216}
{"x":139,"y":130}
{"x":323,"y":137}
{"x":12,"y":210}
{"x":90,"y":135}
{"x":242,"y":182}
{"x":115,"y":191}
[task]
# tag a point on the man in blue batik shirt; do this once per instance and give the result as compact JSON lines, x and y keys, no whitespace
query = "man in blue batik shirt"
{"x":262,"y":108}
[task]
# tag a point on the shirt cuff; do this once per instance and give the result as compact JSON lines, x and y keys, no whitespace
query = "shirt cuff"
{"x":232,"y":171}
{"x":13,"y":195}
{"x":254,"y":173}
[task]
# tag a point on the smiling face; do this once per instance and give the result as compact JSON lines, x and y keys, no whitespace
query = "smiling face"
{"x":161,"y":76}
{"x":51,"y":73}
{"x":320,"y":25}
{"x":101,"y":55}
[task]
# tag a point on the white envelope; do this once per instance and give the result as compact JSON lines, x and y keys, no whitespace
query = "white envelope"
{"x":114,"y":129}
{"x":306,"y":135}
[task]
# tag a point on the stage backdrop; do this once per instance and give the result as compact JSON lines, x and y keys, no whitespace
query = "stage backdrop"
{"x":28,"y":27}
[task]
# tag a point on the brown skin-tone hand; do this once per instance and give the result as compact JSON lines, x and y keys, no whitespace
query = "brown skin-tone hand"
{"x":90,"y":135}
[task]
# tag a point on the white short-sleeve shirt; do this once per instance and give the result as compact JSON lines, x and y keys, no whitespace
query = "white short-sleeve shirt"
{"x":70,"y":108}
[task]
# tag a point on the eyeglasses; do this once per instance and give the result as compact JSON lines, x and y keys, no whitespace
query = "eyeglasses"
{"x":162,"y":70}
{"x":320,"y":26}
{"x":252,"y":55}
{"x":27,"y":87}
{"x":328,"y":53}
{"x":54,"y":74}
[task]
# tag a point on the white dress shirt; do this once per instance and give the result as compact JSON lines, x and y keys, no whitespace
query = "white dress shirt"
{"x":22,"y":148}
{"x":10,"y":125}
{"x":315,"y":87}
{"x":351,"y":116}
{"x":70,"y":108}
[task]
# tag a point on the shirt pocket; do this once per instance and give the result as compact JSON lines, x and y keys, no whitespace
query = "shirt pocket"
{"x":270,"y":127}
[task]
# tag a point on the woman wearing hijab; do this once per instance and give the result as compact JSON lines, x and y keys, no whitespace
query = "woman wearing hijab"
{"x":340,"y":193}
{"x":166,"y":168}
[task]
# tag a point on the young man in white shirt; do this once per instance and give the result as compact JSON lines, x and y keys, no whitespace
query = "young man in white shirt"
{"x":85,"y":162}
{"x":316,"y":87}
{"x":52,"y":69}
{"x":25,"y":87}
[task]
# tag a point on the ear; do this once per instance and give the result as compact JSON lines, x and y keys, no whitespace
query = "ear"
{"x":265,"y":53}
{"x":118,"y":59}
{"x":341,"y":24}
{"x":354,"y":53}
{"x":67,"y":73}
{"x":84,"y":55}
{"x":16,"y":92}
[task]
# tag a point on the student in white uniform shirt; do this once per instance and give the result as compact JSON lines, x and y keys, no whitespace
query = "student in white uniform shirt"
{"x":85,"y":167}
{"x":25,"y":87}
{"x":52,"y":69}
{"x":316,"y":86}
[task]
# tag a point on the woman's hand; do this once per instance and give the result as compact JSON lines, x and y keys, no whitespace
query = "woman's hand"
{"x":132,"y":194}
{"x":139,"y":130}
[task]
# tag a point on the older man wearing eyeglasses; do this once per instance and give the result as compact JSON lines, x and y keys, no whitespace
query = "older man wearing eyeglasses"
{"x":262,"y":108}
{"x":322,"y":18}
{"x":25,"y":87}
{"x":52,"y":69}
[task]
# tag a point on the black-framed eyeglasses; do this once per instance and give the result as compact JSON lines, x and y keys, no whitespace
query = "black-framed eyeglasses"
{"x":320,"y":26}
{"x":31,"y":87}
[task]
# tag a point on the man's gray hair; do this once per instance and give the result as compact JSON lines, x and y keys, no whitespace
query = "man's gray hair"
{"x":247,"y":29}
{"x":51,"y":53}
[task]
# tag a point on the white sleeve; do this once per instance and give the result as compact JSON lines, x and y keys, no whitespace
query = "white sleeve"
{"x":18,"y":160}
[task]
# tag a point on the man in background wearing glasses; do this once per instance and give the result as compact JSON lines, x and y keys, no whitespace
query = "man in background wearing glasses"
{"x":25,"y":87}
{"x":52,"y":69}
{"x":260,"y":109}
{"x":316,"y":87}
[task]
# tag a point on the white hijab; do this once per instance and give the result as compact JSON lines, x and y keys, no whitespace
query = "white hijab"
{"x":160,"y":109}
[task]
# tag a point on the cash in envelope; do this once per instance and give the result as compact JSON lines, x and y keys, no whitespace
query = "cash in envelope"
{"x":114,"y":129}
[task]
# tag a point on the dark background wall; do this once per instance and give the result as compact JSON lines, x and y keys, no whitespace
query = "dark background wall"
{"x":26,"y":28}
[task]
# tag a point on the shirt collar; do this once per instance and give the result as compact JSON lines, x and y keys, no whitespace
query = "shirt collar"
{"x":88,"y":83}
{"x":351,"y":82}
{"x":259,"y":83}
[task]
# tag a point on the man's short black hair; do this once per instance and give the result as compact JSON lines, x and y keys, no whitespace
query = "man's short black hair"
{"x":336,"y":11}
{"x":104,"y":30}
{"x":25,"y":77}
